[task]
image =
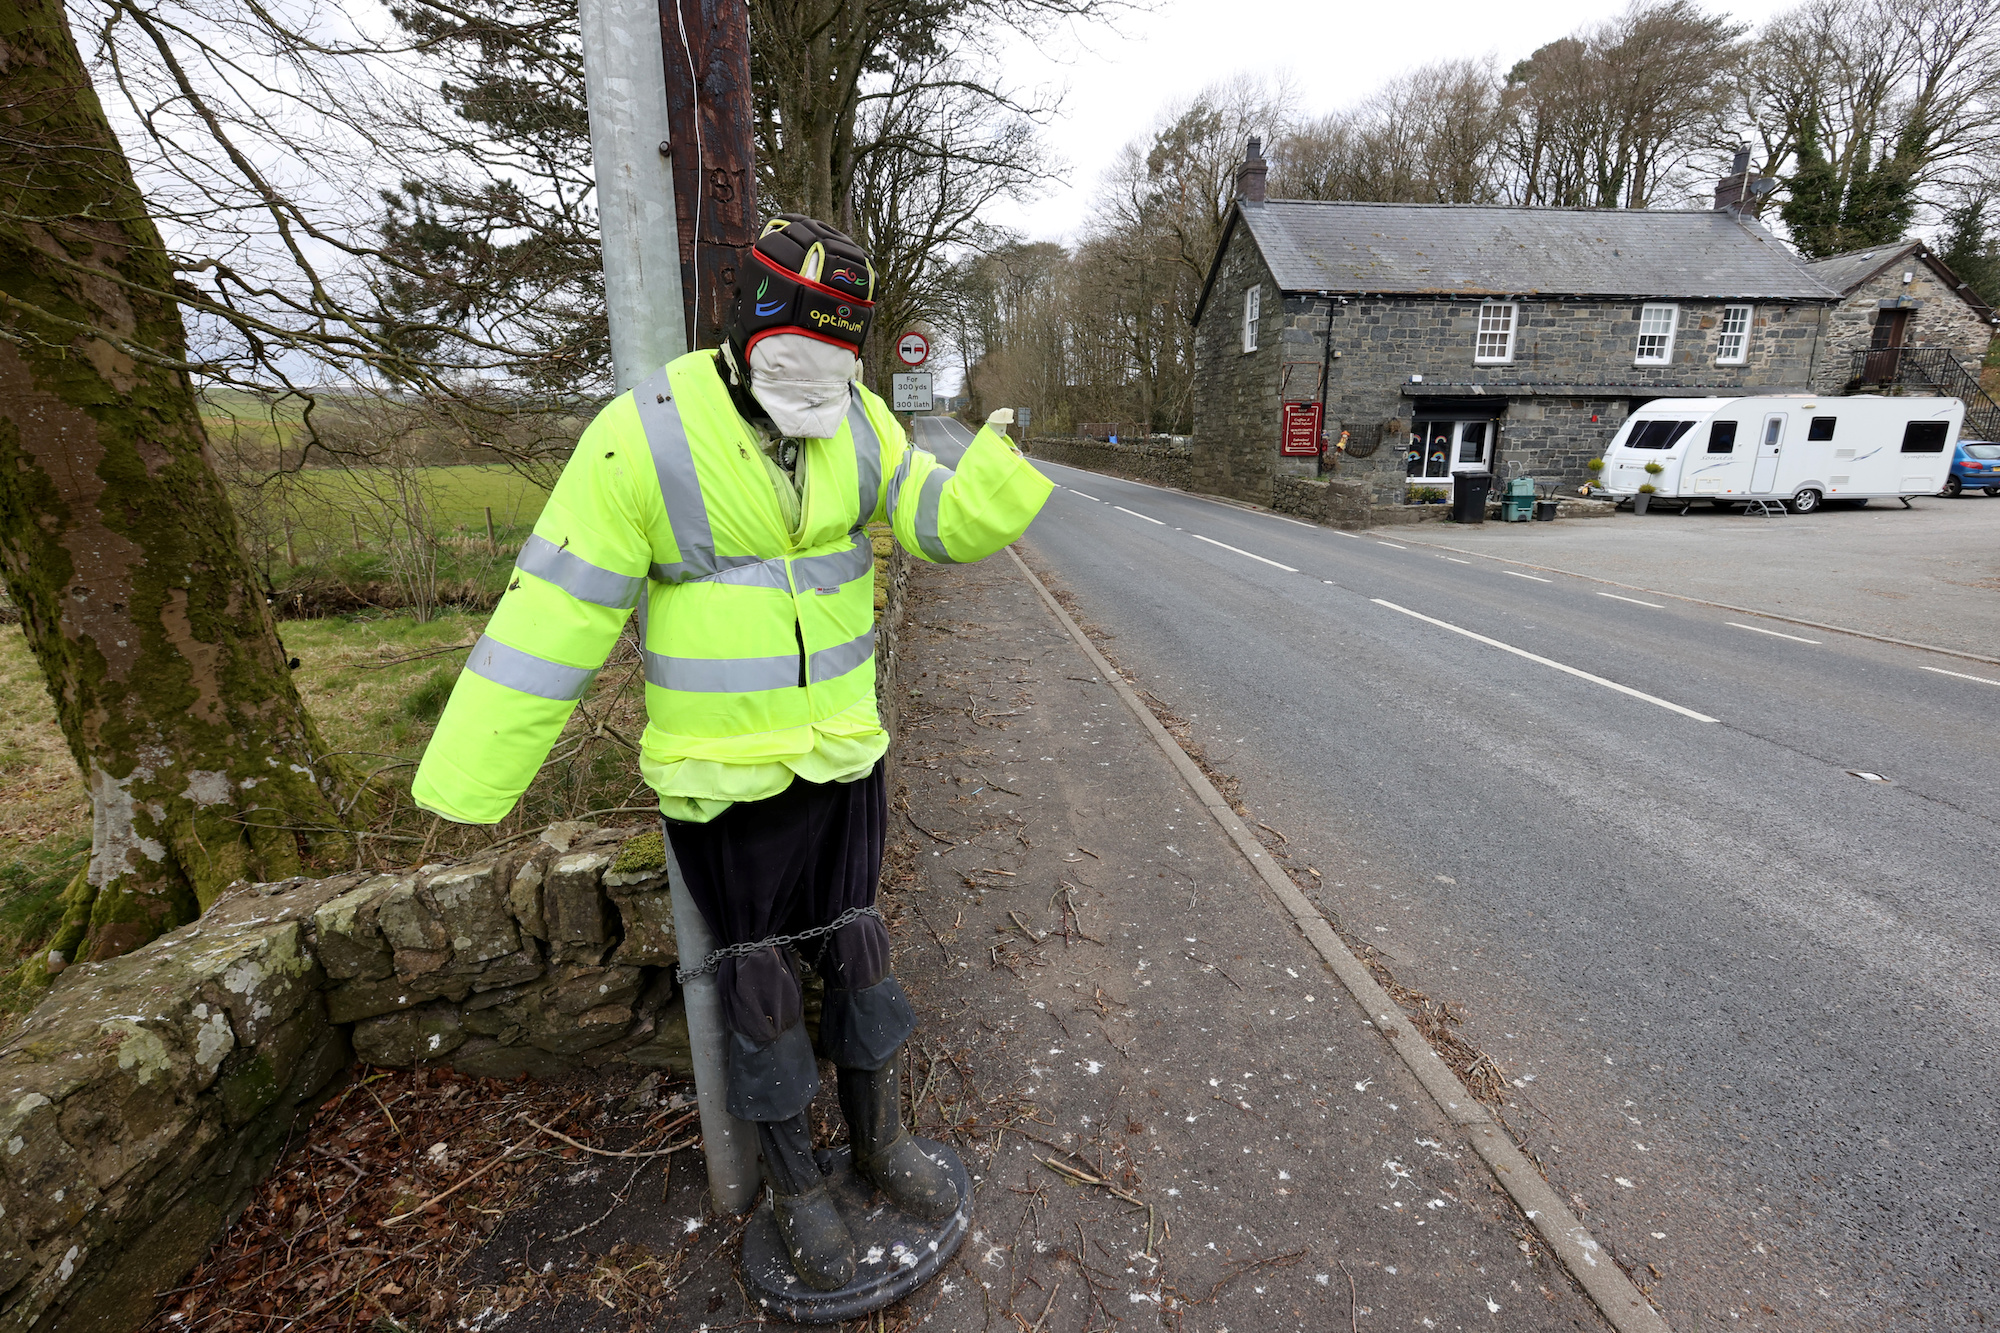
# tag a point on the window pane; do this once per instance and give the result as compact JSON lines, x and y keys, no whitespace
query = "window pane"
{"x":1773,"y":428}
{"x":1472,"y":442}
{"x":1496,"y":333}
{"x":1821,"y":428}
{"x":1658,"y":434}
{"x":1734,"y":335}
{"x":1924,"y":437}
{"x":1437,"y":454}
{"x":1722,"y":437}
{"x":1982,"y":451}
{"x":1656,"y":332}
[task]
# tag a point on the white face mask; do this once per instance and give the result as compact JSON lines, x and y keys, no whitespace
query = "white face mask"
{"x":802,"y":383}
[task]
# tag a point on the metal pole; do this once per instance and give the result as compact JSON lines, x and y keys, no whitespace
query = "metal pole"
{"x":625,"y":82}
{"x":624,"y":76}
{"x":729,"y":1144}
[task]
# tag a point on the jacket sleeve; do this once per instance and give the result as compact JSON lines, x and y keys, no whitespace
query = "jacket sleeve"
{"x":960,"y":515}
{"x":575,"y":582}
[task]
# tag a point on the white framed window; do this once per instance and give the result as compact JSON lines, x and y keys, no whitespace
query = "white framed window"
{"x":1253,"y":301}
{"x":1656,"y":334}
{"x":1732,"y":336}
{"x":1495,"y":340}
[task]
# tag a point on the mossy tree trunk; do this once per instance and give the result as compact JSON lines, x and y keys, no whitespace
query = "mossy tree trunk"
{"x":116,"y":537}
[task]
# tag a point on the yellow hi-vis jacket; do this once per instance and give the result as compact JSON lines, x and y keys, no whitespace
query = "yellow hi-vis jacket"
{"x":758,"y":642}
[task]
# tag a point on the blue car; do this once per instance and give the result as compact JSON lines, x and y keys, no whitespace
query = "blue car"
{"x":1977,"y":463}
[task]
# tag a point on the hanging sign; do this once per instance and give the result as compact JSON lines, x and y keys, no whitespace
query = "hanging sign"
{"x":913,"y":349}
{"x":1301,"y":430}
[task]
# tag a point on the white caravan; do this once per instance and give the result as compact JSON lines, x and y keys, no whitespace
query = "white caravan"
{"x":1795,"y":448}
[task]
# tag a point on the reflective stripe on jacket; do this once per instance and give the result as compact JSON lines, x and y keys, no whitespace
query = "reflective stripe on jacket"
{"x":755,"y":640}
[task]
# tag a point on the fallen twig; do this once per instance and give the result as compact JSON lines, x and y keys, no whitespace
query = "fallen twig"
{"x":608,"y":1152}
{"x":407,"y":1214}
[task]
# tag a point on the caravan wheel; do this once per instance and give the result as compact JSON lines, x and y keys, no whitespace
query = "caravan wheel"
{"x":1805,"y":501}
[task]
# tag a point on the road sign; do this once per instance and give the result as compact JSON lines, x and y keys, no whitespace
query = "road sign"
{"x":1301,"y":434}
{"x":913,"y":349}
{"x":1024,"y":416}
{"x":910,"y":393}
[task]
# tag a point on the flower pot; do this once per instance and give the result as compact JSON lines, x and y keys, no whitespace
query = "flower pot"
{"x":1640,"y":501}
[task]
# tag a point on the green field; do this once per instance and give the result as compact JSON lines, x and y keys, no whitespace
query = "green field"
{"x":326,"y":501}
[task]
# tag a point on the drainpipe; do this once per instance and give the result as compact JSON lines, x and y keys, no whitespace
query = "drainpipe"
{"x":1333,"y":303}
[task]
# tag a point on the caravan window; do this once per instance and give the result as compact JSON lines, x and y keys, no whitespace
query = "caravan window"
{"x":1924,"y":437}
{"x":1722,"y":438}
{"x":1658,"y":434}
{"x":1821,"y":428}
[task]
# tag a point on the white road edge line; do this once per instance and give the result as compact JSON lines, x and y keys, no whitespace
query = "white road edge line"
{"x":1548,"y":662}
{"x":1755,"y":629}
{"x":1240,"y":551}
{"x":1391,"y":545}
{"x":1136,"y":514}
{"x":1093,"y":499}
{"x":1960,"y":674}
{"x":1624,"y":1307}
{"x":1635,"y":601}
{"x":1519,"y":575}
{"x":1456,"y":561}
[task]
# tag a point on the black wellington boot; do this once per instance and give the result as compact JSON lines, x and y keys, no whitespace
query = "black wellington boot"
{"x":885,"y":1155}
{"x":820,"y":1247}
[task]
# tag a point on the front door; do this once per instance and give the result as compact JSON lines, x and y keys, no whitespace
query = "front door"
{"x":1885,"y":344}
{"x":1440,"y":449}
{"x":1769,"y":445}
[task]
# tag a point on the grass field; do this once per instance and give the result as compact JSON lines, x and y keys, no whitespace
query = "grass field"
{"x":327,"y":510}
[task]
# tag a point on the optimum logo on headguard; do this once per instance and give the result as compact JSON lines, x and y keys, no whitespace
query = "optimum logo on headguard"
{"x":806,"y":278}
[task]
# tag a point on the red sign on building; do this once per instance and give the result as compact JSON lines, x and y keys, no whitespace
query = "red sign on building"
{"x":1301,"y":434}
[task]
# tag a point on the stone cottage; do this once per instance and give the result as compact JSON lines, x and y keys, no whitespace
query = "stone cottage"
{"x":1451,"y":336}
{"x":1896,"y":297}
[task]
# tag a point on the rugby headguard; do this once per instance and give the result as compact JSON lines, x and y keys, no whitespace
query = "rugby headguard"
{"x":804,"y":277}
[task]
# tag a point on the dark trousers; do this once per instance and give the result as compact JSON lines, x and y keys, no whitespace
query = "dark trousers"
{"x":788,"y":863}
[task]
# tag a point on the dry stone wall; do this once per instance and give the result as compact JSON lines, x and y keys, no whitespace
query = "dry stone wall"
{"x":145,"y":1098}
{"x":1163,"y":460}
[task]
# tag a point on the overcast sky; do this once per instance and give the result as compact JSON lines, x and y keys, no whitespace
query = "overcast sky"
{"x":1335,"y":53}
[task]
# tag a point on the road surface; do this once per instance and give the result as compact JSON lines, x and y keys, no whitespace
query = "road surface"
{"x":1746,"y":995}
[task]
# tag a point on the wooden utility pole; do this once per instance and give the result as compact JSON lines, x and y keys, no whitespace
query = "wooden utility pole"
{"x":707,"y":58}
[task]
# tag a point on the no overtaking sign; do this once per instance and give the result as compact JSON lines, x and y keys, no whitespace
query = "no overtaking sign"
{"x":913,"y":349}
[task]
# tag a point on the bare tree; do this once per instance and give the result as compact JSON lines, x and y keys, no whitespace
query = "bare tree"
{"x":1433,"y":135}
{"x":1609,"y":116}
{"x":937,"y":157}
{"x":1871,"y":110}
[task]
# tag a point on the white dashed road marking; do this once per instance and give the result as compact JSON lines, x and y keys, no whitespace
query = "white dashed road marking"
{"x":1240,"y":551}
{"x":1547,"y":662}
{"x":1757,"y":629}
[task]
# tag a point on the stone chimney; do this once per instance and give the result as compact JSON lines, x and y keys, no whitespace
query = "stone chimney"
{"x":1732,"y":190}
{"x":1250,"y":176}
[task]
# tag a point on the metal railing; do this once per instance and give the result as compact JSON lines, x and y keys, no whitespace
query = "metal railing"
{"x":1932,"y":368}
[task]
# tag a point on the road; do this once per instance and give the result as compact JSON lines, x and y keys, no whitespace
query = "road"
{"x":1746,"y":999}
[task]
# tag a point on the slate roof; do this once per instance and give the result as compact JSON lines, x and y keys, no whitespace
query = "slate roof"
{"x":1479,"y":250}
{"x":1845,"y":272}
